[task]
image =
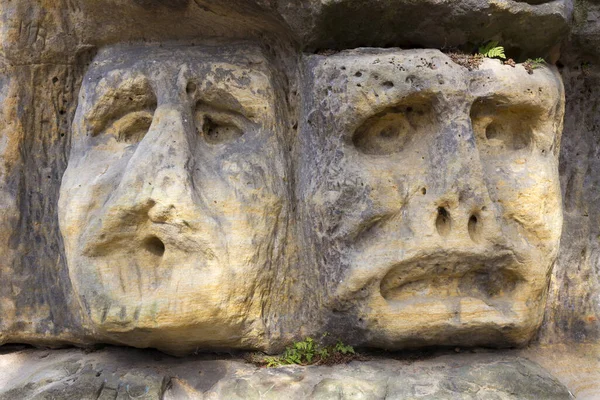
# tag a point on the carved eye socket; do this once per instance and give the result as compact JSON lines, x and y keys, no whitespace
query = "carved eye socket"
{"x":503,"y":127}
{"x":392,"y":130}
{"x":126,"y":113}
{"x":219,"y":132}
{"x":132,"y":127}
{"x":383,"y":134}
{"x":217,"y":126}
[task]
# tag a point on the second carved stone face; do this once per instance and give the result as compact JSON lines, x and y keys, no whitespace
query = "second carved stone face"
{"x":430,"y":196}
{"x":174,"y":204}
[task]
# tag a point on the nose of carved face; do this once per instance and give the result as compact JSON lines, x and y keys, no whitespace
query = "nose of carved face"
{"x":443,"y":240}
{"x":154,"y":213}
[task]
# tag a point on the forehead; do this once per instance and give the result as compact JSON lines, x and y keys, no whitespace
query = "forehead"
{"x":371,"y":77}
{"x":240,"y":72}
{"x":201,"y":58}
{"x":237,"y":69}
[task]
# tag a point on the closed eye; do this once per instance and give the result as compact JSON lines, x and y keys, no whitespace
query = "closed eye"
{"x":132,"y":127}
{"x":124,"y":112}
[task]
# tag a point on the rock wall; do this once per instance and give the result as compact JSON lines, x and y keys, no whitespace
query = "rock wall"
{"x":573,"y":309}
{"x":46,"y":51}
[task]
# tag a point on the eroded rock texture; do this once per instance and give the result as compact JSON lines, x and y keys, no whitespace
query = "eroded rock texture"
{"x":529,"y":27}
{"x":127,"y":373}
{"x":573,"y":308}
{"x":175,"y":204}
{"x":409,"y":201}
{"x":432,"y":200}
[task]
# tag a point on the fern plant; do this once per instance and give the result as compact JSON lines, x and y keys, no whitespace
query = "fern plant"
{"x":492,"y":50}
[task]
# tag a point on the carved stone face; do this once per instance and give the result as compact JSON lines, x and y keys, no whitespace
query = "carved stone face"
{"x":173,"y":202}
{"x":431,"y":198}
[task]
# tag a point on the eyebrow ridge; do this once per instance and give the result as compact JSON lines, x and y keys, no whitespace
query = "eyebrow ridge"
{"x":130,"y":95}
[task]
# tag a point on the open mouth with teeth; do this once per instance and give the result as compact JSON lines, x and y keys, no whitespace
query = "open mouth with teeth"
{"x":446,"y":276}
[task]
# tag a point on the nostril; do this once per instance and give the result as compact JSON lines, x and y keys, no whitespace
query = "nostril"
{"x":190,"y":88}
{"x":155,"y":246}
{"x":443,"y":222}
{"x":474,"y":228}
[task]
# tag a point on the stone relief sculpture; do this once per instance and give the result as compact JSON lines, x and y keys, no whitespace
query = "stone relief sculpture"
{"x":254,"y":177}
{"x":174,"y":205}
{"x":430,"y":196}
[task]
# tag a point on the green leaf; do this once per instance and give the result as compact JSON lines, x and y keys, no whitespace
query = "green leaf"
{"x":492,"y":50}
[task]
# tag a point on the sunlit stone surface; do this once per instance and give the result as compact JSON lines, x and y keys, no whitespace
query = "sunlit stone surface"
{"x":431,"y":196}
{"x":174,"y":204}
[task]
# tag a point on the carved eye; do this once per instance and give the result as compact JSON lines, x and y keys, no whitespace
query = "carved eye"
{"x":383,"y":134}
{"x":219,"y":132}
{"x":503,"y":127}
{"x":217,"y":126}
{"x":393,"y":130}
{"x":125,"y":113}
{"x":132,"y":127}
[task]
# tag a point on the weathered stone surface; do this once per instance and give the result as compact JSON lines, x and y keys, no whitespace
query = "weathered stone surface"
{"x":58,"y":30}
{"x":47,"y":29}
{"x":45,"y":49}
{"x":528,"y":28}
{"x":584,"y":41}
{"x":573,"y":308}
{"x":36,"y":294}
{"x":430,"y":196}
{"x":125,"y":373}
{"x":575,"y":365}
{"x":175,"y":205}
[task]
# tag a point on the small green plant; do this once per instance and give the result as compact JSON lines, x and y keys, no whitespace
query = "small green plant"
{"x":492,"y":50}
{"x":308,"y":352}
{"x":533,"y":63}
{"x":536,"y":61}
{"x":344,"y":349}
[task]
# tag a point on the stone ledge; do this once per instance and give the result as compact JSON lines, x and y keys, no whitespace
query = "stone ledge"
{"x":119,"y":373}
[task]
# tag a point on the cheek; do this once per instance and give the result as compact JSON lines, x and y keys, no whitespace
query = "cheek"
{"x":530,"y":196}
{"x":87,"y":183}
{"x":248,"y":195}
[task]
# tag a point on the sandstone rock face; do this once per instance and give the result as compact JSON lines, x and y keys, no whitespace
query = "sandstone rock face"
{"x":174,"y":207}
{"x":529,"y":27}
{"x":573,"y":307}
{"x":407,"y":202}
{"x":431,"y":197}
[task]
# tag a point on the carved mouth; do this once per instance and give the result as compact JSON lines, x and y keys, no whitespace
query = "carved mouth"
{"x":155,"y":239}
{"x":452,"y":275}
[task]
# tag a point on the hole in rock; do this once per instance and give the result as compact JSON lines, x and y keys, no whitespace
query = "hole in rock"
{"x":474,"y":228}
{"x":388,"y":84}
{"x":155,"y":246}
{"x":358,"y":74}
{"x":190,"y":88}
{"x":424,"y":191}
{"x":442,"y":222}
